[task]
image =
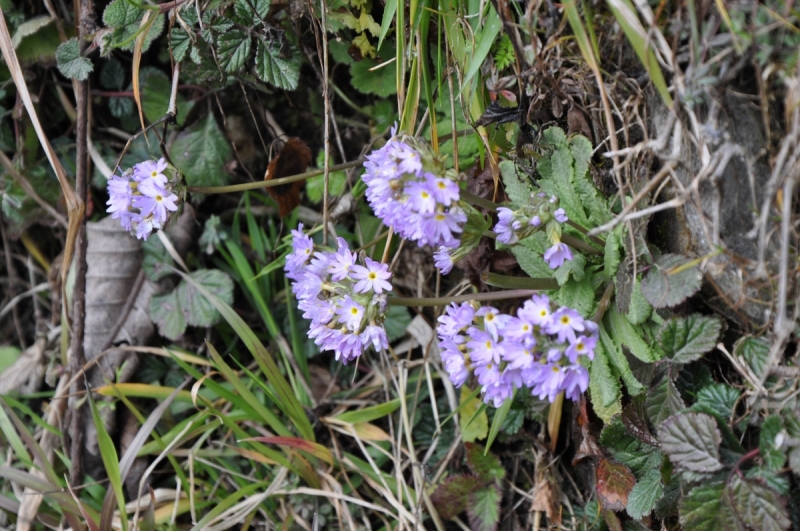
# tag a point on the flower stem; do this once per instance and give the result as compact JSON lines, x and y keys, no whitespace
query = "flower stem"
{"x":572,"y":241}
{"x":554,"y":420}
{"x":504,"y":281}
{"x":599,"y":241}
{"x":479,"y":201}
{"x":273,"y":182}
{"x":441,"y":301}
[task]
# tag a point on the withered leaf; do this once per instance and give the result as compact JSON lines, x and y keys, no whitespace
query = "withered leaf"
{"x":614,"y":484}
{"x":497,"y":114}
{"x":292,"y":159}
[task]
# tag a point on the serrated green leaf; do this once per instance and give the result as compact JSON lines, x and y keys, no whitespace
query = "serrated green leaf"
{"x":755,"y":351}
{"x":70,"y":62}
{"x":315,"y":186}
{"x":686,"y":339}
{"x":181,"y":43}
{"x":624,"y":334}
{"x":708,"y":508}
{"x":613,"y":254}
{"x":691,"y":441}
{"x":452,"y":495}
{"x":201,"y":153}
{"x":719,"y":398}
{"x":165,"y":311}
{"x":639,"y":310}
{"x":515,"y":185}
{"x":156,"y":88}
{"x":29,"y":28}
{"x":112,"y":75}
{"x":484,"y":464}
{"x":252,"y":11}
{"x":273,"y":68}
{"x":663,"y":401}
{"x":233,"y":50}
{"x":531,"y":261}
{"x":197,"y":310}
{"x":121,"y":13}
{"x":770,"y":442}
{"x":629,"y":450}
{"x":758,"y":507}
{"x":578,"y":295}
{"x":604,"y":387}
{"x":474,"y":425}
{"x":125,"y":18}
{"x":592,"y":201}
{"x":645,"y":494}
{"x":669,"y":282}
{"x":573,"y":268}
{"x":157,"y":261}
{"x":618,"y":361}
{"x":483,"y":509}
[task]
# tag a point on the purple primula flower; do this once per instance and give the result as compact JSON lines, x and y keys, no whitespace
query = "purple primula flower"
{"x":557,"y":255}
{"x":535,"y":221}
{"x":346,"y":316}
{"x":560,"y":215}
{"x":418,"y":204}
{"x":373,"y":277}
{"x":537,"y":348}
{"x":504,"y":229}
{"x":142,"y":198}
{"x":443,"y":259}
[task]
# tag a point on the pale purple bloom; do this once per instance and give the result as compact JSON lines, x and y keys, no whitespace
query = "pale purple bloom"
{"x":444,"y":190}
{"x":455,"y":318}
{"x":493,"y":320}
{"x":582,"y":346}
{"x":536,"y":310}
{"x":576,"y":382}
{"x":487,"y":373}
{"x":443,"y":260}
{"x":535,"y":221}
{"x":564,"y":323}
{"x":560,"y":215}
{"x":376,"y":335}
{"x":155,"y":200}
{"x":557,"y":255}
{"x":420,"y":197}
{"x":504,"y":229}
{"x":373,"y":277}
{"x":483,"y":347}
{"x":151,"y":169}
{"x":302,"y":249}
{"x":342,"y":261}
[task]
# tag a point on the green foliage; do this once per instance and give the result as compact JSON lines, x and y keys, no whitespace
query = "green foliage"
{"x":691,"y":441}
{"x":381,"y":82}
{"x":670,"y":281}
{"x":686,"y":339}
{"x":717,"y":398}
{"x":273,"y":68}
{"x":187,"y":306}
{"x":503,"y":52}
{"x":125,"y":20}
{"x":201,"y":152}
{"x":70,"y":61}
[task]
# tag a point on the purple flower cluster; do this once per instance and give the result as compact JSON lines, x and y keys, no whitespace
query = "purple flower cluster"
{"x":538,"y":348}
{"x":543,"y":213}
{"x":344,"y":300}
{"x":142,"y":197}
{"x":410,"y":193}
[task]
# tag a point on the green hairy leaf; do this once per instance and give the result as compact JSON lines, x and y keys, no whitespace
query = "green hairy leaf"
{"x":530,"y":259}
{"x":691,"y":441}
{"x":719,"y":398}
{"x":201,"y":152}
{"x":197,"y":310}
{"x":71,"y":63}
{"x":625,"y":334}
{"x":452,"y":496}
{"x":181,"y":43}
{"x":484,"y":465}
{"x":252,"y":11}
{"x":620,"y":363}
{"x":578,"y":295}
{"x":663,"y":401}
{"x":112,"y":75}
{"x":515,"y":184}
{"x":273,"y":68}
{"x":613,"y":253}
{"x":483,"y":509}
{"x":629,"y":450}
{"x":758,"y":507}
{"x":755,"y":351}
{"x":166,"y":312}
{"x":770,"y":442}
{"x":233,"y":50}
{"x":668,"y":283}
{"x":639,"y":310}
{"x":645,"y":494}
{"x":604,"y":386}
{"x":686,"y":339}
{"x":708,"y":508}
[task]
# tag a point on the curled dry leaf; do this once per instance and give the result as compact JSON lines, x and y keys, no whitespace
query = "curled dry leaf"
{"x":293,"y":158}
{"x":614,"y":483}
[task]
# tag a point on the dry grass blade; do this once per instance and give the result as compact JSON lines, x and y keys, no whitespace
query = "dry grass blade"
{"x":75,"y":206}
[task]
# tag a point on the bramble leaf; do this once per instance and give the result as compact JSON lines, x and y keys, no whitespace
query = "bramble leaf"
{"x":197,"y":310}
{"x":769,"y":443}
{"x":686,"y":339}
{"x":201,"y":153}
{"x":663,"y":401}
{"x":645,"y":494}
{"x":759,"y":507}
{"x":70,"y":61}
{"x":719,"y":398}
{"x":668,"y":283}
{"x":112,"y":75}
{"x":483,"y":509}
{"x":691,"y":441}
{"x":233,"y":50}
{"x":165,"y":312}
{"x":755,"y":351}
{"x":273,"y":68}
{"x":629,"y":450}
{"x":452,"y":495}
{"x":252,"y":11}
{"x":708,"y":508}
{"x":484,"y":464}
{"x":181,"y":43}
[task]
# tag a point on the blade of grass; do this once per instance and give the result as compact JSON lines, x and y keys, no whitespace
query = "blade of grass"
{"x":389,"y":11}
{"x":315,"y":449}
{"x":108,"y":453}
{"x":287,"y":400}
{"x":7,"y":428}
{"x":227,"y":503}
{"x":143,"y":391}
{"x":490,"y":31}
{"x":497,"y":422}
{"x":368,"y":414}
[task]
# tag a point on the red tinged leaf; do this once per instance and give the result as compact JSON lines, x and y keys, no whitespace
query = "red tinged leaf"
{"x":452,"y":496}
{"x":293,"y":158}
{"x":614,"y":484}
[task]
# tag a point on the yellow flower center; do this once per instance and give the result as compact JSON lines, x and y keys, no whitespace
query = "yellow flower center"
{"x":372,"y":275}
{"x":440,"y":217}
{"x":354,"y":310}
{"x":488,"y":344}
{"x":565,"y":320}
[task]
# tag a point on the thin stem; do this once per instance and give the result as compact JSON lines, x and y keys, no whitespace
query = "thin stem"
{"x":273,"y":182}
{"x":373,"y":242}
{"x":479,"y":201}
{"x":504,"y":281}
{"x":441,"y":301}
{"x":572,"y":241}
{"x":599,"y":241}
